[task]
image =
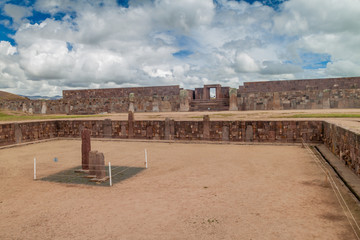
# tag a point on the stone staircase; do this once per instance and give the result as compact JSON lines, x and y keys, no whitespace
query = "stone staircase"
{"x":221,"y":104}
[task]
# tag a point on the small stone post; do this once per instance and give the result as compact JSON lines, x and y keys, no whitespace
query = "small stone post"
{"x":107,"y":128}
{"x":169,"y":129}
{"x":92,"y":163}
{"x":97,"y":165}
{"x":233,"y":100}
{"x":184,"y":101}
{"x":225,"y":133}
{"x":85,"y":148}
{"x":206,"y":126}
{"x":43,"y":108}
{"x":100,"y":166}
{"x":131,"y":102}
{"x":131,"y":124}
{"x":155,"y":103}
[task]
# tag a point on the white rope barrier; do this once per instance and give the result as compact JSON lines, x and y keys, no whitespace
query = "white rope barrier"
{"x":34,"y":168}
{"x":146,"y":162}
{"x":110,"y":179}
{"x":335,"y":189}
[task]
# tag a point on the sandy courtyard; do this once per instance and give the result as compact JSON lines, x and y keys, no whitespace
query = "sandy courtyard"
{"x":189,"y":191}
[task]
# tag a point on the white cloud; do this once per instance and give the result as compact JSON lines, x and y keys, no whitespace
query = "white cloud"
{"x":17,"y":13}
{"x":245,"y":63}
{"x":233,"y":42}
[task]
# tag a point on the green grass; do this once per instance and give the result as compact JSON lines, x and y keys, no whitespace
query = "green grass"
{"x":216,"y":115}
{"x":322,"y":115}
{"x":7,"y":117}
{"x":222,"y":115}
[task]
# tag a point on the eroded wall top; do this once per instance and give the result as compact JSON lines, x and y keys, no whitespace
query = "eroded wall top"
{"x":301,"y":85}
{"x":121,"y":92}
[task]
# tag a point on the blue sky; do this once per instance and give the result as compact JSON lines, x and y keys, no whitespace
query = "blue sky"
{"x":49,"y":46}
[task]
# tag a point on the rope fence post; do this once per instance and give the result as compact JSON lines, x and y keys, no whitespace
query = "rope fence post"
{"x":146,"y":163}
{"x":34,"y":168}
{"x":110,"y":179}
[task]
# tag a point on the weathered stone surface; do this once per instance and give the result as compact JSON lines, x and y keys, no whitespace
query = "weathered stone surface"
{"x":131,"y":124}
{"x":249,"y":134}
{"x":343,"y":143}
{"x":206,"y":126}
{"x":43,"y":108}
{"x":169,"y":129}
{"x":233,"y":106}
{"x":92,"y":162}
{"x":100,"y":166}
{"x":225,"y":133}
{"x":268,"y":95}
{"x":85,"y":148}
{"x":262,"y":131}
{"x":107,"y":128}
{"x":184,"y":100}
{"x":18,"y":133}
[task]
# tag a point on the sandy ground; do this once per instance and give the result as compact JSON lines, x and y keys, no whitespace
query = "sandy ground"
{"x":189,"y":191}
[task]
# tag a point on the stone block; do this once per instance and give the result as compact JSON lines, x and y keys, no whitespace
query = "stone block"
{"x":206,"y":127}
{"x":85,"y":148}
{"x":233,"y":99}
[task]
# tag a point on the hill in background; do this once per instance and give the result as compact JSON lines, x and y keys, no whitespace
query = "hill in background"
{"x":57,"y":97}
{"x":10,"y":96}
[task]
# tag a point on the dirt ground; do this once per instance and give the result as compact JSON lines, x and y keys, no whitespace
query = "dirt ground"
{"x":189,"y":191}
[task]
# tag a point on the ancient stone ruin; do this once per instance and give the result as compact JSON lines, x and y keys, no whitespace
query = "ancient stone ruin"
{"x":92,"y":162}
{"x":267,"y":95}
{"x":97,"y":166}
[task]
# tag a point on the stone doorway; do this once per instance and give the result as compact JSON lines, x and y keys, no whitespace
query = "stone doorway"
{"x":212,"y":93}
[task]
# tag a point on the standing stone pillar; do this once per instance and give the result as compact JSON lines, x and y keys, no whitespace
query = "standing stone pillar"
{"x":97,"y":165}
{"x":100,"y":166}
{"x":184,"y":101}
{"x":107,"y":128}
{"x":155,"y":104}
{"x":92,"y":163}
{"x":169,"y":129}
{"x":233,"y":100}
{"x":131,"y":124}
{"x":43,"y":108}
{"x":276,"y":101}
{"x":206,"y":127}
{"x":225,"y":133}
{"x":85,"y":148}
{"x":18,"y":133}
{"x":24,"y":108}
{"x":131,"y":102}
{"x":326,"y":99}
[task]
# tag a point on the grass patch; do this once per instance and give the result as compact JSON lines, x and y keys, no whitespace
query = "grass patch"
{"x":222,"y":115}
{"x":216,"y":115}
{"x":8,"y":117}
{"x":322,"y":115}
{"x":154,"y":116}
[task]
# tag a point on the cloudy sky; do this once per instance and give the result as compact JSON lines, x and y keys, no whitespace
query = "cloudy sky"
{"x":47,"y":46}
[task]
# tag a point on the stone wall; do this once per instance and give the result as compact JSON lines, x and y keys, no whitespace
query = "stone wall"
{"x":344,"y":143}
{"x":307,"y":99}
{"x":301,"y":85}
{"x":271,"y":95}
{"x":141,"y":103}
{"x":236,"y":131}
{"x":121,"y":92}
{"x":36,"y":106}
{"x":12,"y":133}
